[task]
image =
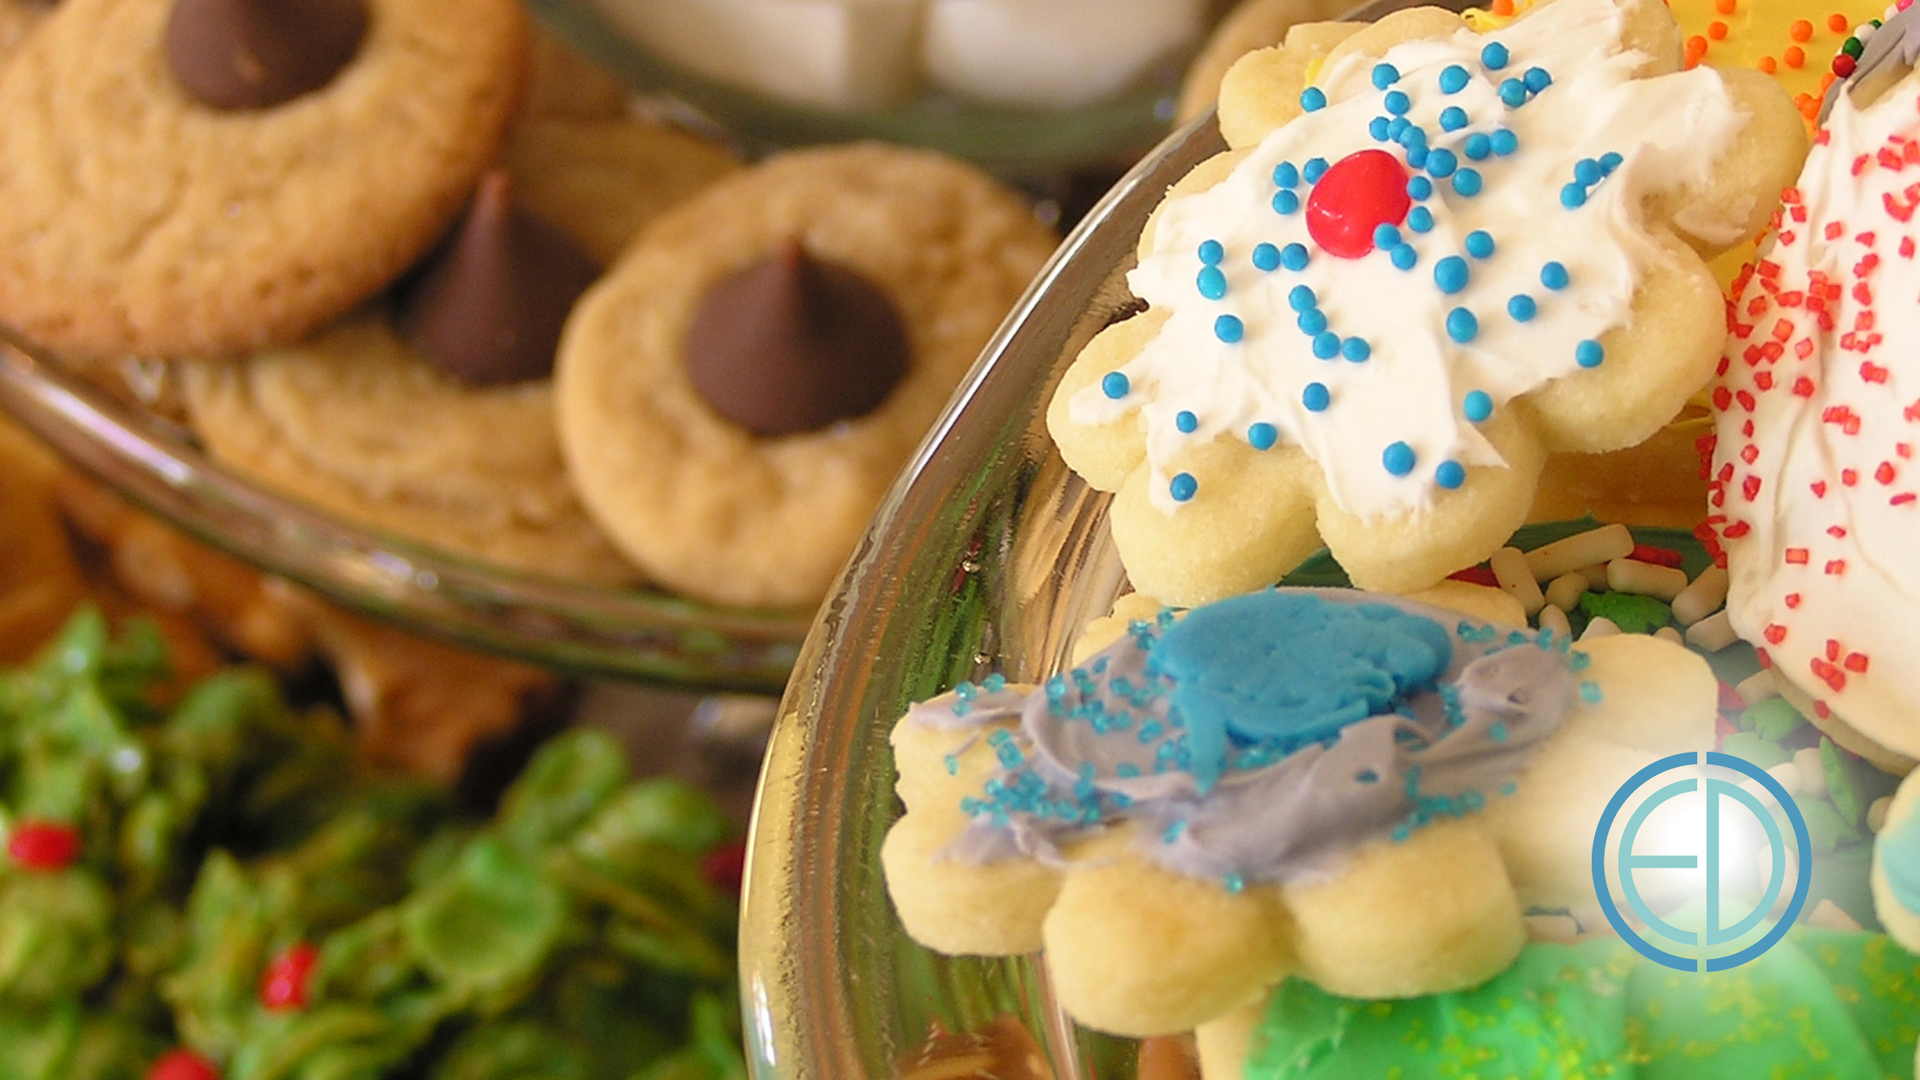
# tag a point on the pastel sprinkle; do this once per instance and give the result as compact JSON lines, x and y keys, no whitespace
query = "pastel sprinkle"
{"x":1494,"y":56}
{"x":1453,"y":118}
{"x":1450,"y":475}
{"x":1311,"y":321}
{"x":1417,"y":155}
{"x":1453,"y":79}
{"x":1183,"y":487}
{"x":1262,"y":436}
{"x":1610,"y":161}
{"x":1385,"y":236}
{"x":1211,"y":282}
{"x":1476,"y":146}
{"x":1467,"y":182}
{"x":1294,"y":256}
{"x":1573,"y":196}
{"x":1186,"y":422}
{"x":1589,"y":354}
{"x":1326,"y":345}
{"x":1587,"y":171}
{"x":1504,"y":142}
{"x":1554,"y":276}
{"x":1479,"y":244}
{"x":1450,"y":274}
{"x":1380,"y":128}
{"x":1314,"y":169}
{"x":1316,"y":397}
{"x":1462,"y":326}
{"x":1301,"y":298}
{"x":1266,"y":257}
{"x":1398,"y":459}
{"x":1313,"y":99}
{"x":1229,"y":329}
{"x":1385,"y":75}
{"x":1441,"y":162}
{"x":1420,"y":219}
{"x":1513,"y":93}
{"x":1397,"y":127}
{"x":1537,"y":79}
{"x":1521,"y":307}
{"x":1211,"y":252}
{"x":1403,"y":257}
{"x":1419,"y":187}
{"x":1285,"y":202}
{"x":1356,"y":349}
{"x":1286,"y":175}
{"x":1115,"y":385}
{"x":1396,"y":102}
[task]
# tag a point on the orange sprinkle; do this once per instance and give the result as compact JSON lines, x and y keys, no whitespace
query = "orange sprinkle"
{"x":1810,"y":108}
{"x":1724,"y":7}
{"x":1767,"y":64}
{"x":1801,"y":30}
{"x":1717,"y":30}
{"x":1826,"y":82}
{"x":1696,"y":46}
{"x":1837,"y":23}
{"x":1502,"y":8}
{"x":1795,"y":56}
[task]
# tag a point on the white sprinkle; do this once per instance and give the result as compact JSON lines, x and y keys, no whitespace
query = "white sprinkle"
{"x":1596,"y":576}
{"x":1645,"y":579}
{"x":1706,"y":595}
{"x":1713,"y":633}
{"x":1582,"y":549}
{"x":1877,"y":812}
{"x":1600,"y":626}
{"x":1813,"y":771}
{"x":1554,"y":619}
{"x":1789,"y":775}
{"x":1757,"y":687}
{"x":1510,"y":570}
{"x":1566,"y":590}
{"x":1668,"y":633}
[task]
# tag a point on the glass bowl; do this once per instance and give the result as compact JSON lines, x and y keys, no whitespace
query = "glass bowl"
{"x":987,"y":556}
{"x":587,"y":630}
{"x":1008,"y":141}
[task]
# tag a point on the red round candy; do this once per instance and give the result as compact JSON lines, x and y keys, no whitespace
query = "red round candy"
{"x":182,"y":1065}
{"x":43,"y":845}
{"x":284,"y":986}
{"x":725,"y":867}
{"x":1356,"y":195}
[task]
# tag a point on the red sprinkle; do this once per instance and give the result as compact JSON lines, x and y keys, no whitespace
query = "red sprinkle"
{"x":284,"y":986}
{"x":44,"y":845}
{"x":1658,"y":556}
{"x":182,"y":1064}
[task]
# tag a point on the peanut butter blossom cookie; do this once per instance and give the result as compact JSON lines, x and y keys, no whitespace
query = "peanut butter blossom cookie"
{"x":737,"y":393}
{"x":210,"y":176}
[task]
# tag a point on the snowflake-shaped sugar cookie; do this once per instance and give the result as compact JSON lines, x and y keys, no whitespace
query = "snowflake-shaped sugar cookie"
{"x":1361,"y":791}
{"x":1371,"y":318}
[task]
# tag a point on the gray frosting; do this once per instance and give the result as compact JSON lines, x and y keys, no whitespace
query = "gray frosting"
{"x":1894,"y":43}
{"x":1108,"y":741}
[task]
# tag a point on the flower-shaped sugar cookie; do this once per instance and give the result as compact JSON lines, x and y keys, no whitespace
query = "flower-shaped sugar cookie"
{"x":1362,"y":791}
{"x":1449,"y":254}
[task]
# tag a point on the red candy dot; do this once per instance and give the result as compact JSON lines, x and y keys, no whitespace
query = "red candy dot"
{"x":43,"y":845}
{"x":182,"y":1065}
{"x":1357,"y":194}
{"x":284,"y":986}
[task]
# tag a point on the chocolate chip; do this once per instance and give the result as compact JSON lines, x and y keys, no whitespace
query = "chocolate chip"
{"x":255,"y":54}
{"x":794,"y":343}
{"x":488,"y":305}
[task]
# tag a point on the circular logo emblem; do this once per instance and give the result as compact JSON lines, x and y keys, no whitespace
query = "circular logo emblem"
{"x":1722,"y":856}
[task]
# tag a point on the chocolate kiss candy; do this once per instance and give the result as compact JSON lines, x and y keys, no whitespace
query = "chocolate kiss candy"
{"x":794,"y":343}
{"x":488,"y":305}
{"x":255,"y":54}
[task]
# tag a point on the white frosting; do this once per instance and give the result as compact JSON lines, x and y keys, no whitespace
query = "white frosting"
{"x":1816,"y":503}
{"x":1667,"y":129}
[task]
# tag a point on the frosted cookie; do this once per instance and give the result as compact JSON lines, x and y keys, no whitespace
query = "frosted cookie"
{"x":1815,"y":496}
{"x":1370,"y":320}
{"x":233,"y":179}
{"x":737,"y":393}
{"x":1361,"y":793}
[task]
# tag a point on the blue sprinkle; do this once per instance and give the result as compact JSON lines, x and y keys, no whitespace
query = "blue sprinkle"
{"x":1233,"y":883}
{"x":1480,"y":244}
{"x":1173,"y":831}
{"x":1450,"y":475}
{"x":1573,"y":196}
{"x":1420,"y":219}
{"x":1262,"y":436}
{"x":1508,"y":787}
{"x":1398,"y":459}
{"x":1522,"y":307}
{"x":1229,"y":329}
{"x":1513,"y":93}
{"x":994,"y":683}
{"x":1311,"y":321}
{"x":1450,"y":274}
{"x":1453,"y":79}
{"x":1589,"y":354}
{"x":1554,"y":276}
{"x":1537,"y":79}
{"x":1610,"y":161}
{"x":1301,"y":298}
{"x":1477,"y":405}
{"x":1326,"y":344}
{"x":1115,"y":385}
{"x":1294,"y":256}
{"x":1211,"y":282}
{"x":1504,"y":142}
{"x":1266,"y":257}
{"x":1476,"y":147}
{"x":1182,"y":487}
{"x":1590,"y":692}
{"x":1397,"y":127}
{"x":1211,"y":252}
{"x":1355,"y":350}
{"x":1417,"y":156}
{"x":1385,"y":75}
{"x":1186,"y":422}
{"x":1403,"y":256}
{"x":1313,"y":99}
{"x":1587,"y":171}
{"x":1418,"y":188}
{"x":1441,"y":162}
{"x":1385,"y":236}
{"x":952,"y":762}
{"x":1285,"y":175}
{"x":1412,"y":135}
{"x":1494,"y":56}
{"x":1397,"y":102}
{"x":1285,"y":202}
{"x":1462,"y":326}
{"x":1366,"y":776}
{"x":1467,"y":182}
{"x":1314,"y":169}
{"x":1453,"y":118}
{"x":1316,"y":397}
{"x":1378,"y":127}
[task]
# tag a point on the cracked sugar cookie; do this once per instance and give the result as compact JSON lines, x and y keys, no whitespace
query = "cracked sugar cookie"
{"x":1359,"y":792}
{"x":1409,"y":280}
{"x":211,"y":176}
